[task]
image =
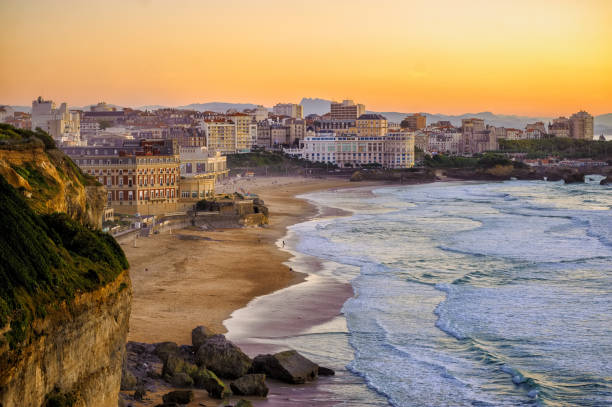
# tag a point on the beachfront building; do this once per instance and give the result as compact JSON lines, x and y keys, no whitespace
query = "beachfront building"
{"x":219,"y":135}
{"x":61,"y":124}
{"x":140,"y":176}
{"x":393,"y":150}
{"x":198,"y":161}
{"x":245,"y":132}
{"x":371,"y":125}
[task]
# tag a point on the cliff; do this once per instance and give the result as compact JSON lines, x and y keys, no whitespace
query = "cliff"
{"x":65,"y":291}
{"x":47,"y":178}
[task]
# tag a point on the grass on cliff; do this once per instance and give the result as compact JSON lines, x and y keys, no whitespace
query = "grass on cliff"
{"x":487,"y":160}
{"x":561,"y":147}
{"x":46,"y":260}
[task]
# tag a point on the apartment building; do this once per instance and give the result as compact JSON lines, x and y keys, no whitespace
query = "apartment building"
{"x":414,"y":122}
{"x":581,"y":126}
{"x":560,"y":127}
{"x":61,"y":124}
{"x":220,"y":135}
{"x":371,"y":125}
{"x":289,"y":109}
{"x":245,"y":132}
{"x":347,"y":110}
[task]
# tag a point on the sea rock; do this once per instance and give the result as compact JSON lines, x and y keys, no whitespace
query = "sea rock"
{"x":205,"y":379}
{"x":163,"y":349}
{"x":139,"y":393}
{"x":181,"y":379}
{"x":223,"y":357}
{"x":243,"y":403}
{"x":288,"y":366}
{"x":250,"y":385}
{"x":199,"y":335}
{"x":168,"y":405}
{"x":175,"y":364}
{"x":573,"y":178}
{"x":178,"y":396}
{"x":606,"y":181}
{"x":325,"y":371}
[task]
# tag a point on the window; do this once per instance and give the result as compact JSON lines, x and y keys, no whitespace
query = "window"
{"x":121,"y":195}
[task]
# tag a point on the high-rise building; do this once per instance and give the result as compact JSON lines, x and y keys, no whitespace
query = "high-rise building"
{"x":414,"y":122}
{"x":289,"y":109}
{"x":245,"y":131}
{"x":220,"y":135}
{"x":61,"y":124}
{"x":581,"y":126}
{"x":347,"y":110}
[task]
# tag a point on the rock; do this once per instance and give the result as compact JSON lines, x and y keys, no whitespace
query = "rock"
{"x":606,"y":181}
{"x":223,"y":357}
{"x":243,"y":403}
{"x":175,"y":364}
{"x":181,"y":380}
{"x":250,"y":385}
{"x":199,"y":335}
{"x":205,"y":379}
{"x":168,"y":405}
{"x":178,"y":396}
{"x":128,"y":380}
{"x":325,"y":371}
{"x":288,"y":366}
{"x":573,"y":178}
{"x":163,"y":349}
{"x":139,"y":393}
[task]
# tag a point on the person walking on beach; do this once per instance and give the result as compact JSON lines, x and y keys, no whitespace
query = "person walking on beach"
{"x":283,"y":243}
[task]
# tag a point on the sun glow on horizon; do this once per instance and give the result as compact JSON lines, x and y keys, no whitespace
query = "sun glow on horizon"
{"x":538,"y":57}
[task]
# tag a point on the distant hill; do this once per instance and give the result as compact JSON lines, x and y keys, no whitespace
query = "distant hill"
{"x":220,"y":107}
{"x":315,"y":106}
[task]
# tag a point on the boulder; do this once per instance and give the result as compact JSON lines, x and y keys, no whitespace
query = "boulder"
{"x":223,"y":357}
{"x":174,"y":364}
{"x":205,"y":379}
{"x":178,"y":396}
{"x":606,"y":181}
{"x":139,"y":393}
{"x":573,"y":178}
{"x":250,"y":385}
{"x":181,"y":380}
{"x":168,"y":405}
{"x":163,"y":349}
{"x":199,"y":335}
{"x":325,"y":371}
{"x":243,"y":403}
{"x":288,"y":366}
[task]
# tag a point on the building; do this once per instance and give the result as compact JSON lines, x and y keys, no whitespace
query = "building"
{"x":371,"y":125}
{"x":444,"y":140}
{"x":560,"y":127}
{"x":347,"y":110}
{"x":288,"y":109}
{"x":414,"y":122}
{"x":140,"y":176}
{"x":61,"y":124}
{"x":539,"y":126}
{"x":220,"y":135}
{"x":102,"y":107}
{"x":581,"y":126}
{"x":198,"y":161}
{"x":245,"y":132}
{"x":394,"y":150}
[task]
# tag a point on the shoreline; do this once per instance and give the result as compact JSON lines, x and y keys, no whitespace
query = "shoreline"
{"x":194,"y":277}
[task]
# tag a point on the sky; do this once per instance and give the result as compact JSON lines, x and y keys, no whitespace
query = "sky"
{"x":527,"y":57}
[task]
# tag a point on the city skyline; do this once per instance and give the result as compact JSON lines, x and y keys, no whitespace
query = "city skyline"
{"x":526,"y":58}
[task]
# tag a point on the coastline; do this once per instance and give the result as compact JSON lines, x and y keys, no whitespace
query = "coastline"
{"x":194,"y":277}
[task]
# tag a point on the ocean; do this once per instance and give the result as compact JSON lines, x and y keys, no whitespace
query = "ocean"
{"x":466,"y":294}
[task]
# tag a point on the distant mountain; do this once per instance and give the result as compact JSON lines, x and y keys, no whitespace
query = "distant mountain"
{"x":315,"y":106}
{"x":220,"y":107}
{"x":24,"y":109}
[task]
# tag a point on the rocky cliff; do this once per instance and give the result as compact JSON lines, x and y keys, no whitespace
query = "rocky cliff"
{"x":65,"y":291}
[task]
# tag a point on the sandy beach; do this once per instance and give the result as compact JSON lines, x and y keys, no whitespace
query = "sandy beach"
{"x":193,"y":277}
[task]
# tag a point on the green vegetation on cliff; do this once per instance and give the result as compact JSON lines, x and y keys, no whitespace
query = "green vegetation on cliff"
{"x":487,"y":160}
{"x":272,"y":161}
{"x":46,"y":260}
{"x":562,"y":147}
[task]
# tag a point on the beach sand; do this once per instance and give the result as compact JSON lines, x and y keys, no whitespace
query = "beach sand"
{"x":193,"y":277}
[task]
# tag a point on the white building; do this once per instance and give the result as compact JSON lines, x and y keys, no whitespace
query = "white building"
{"x":62,"y":124}
{"x":197,"y":161}
{"x":444,"y":141}
{"x":393,"y":150}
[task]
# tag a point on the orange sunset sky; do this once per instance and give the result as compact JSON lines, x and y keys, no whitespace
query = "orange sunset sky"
{"x":533,"y":57}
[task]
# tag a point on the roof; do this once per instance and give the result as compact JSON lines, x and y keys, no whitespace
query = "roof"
{"x":371,"y":116}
